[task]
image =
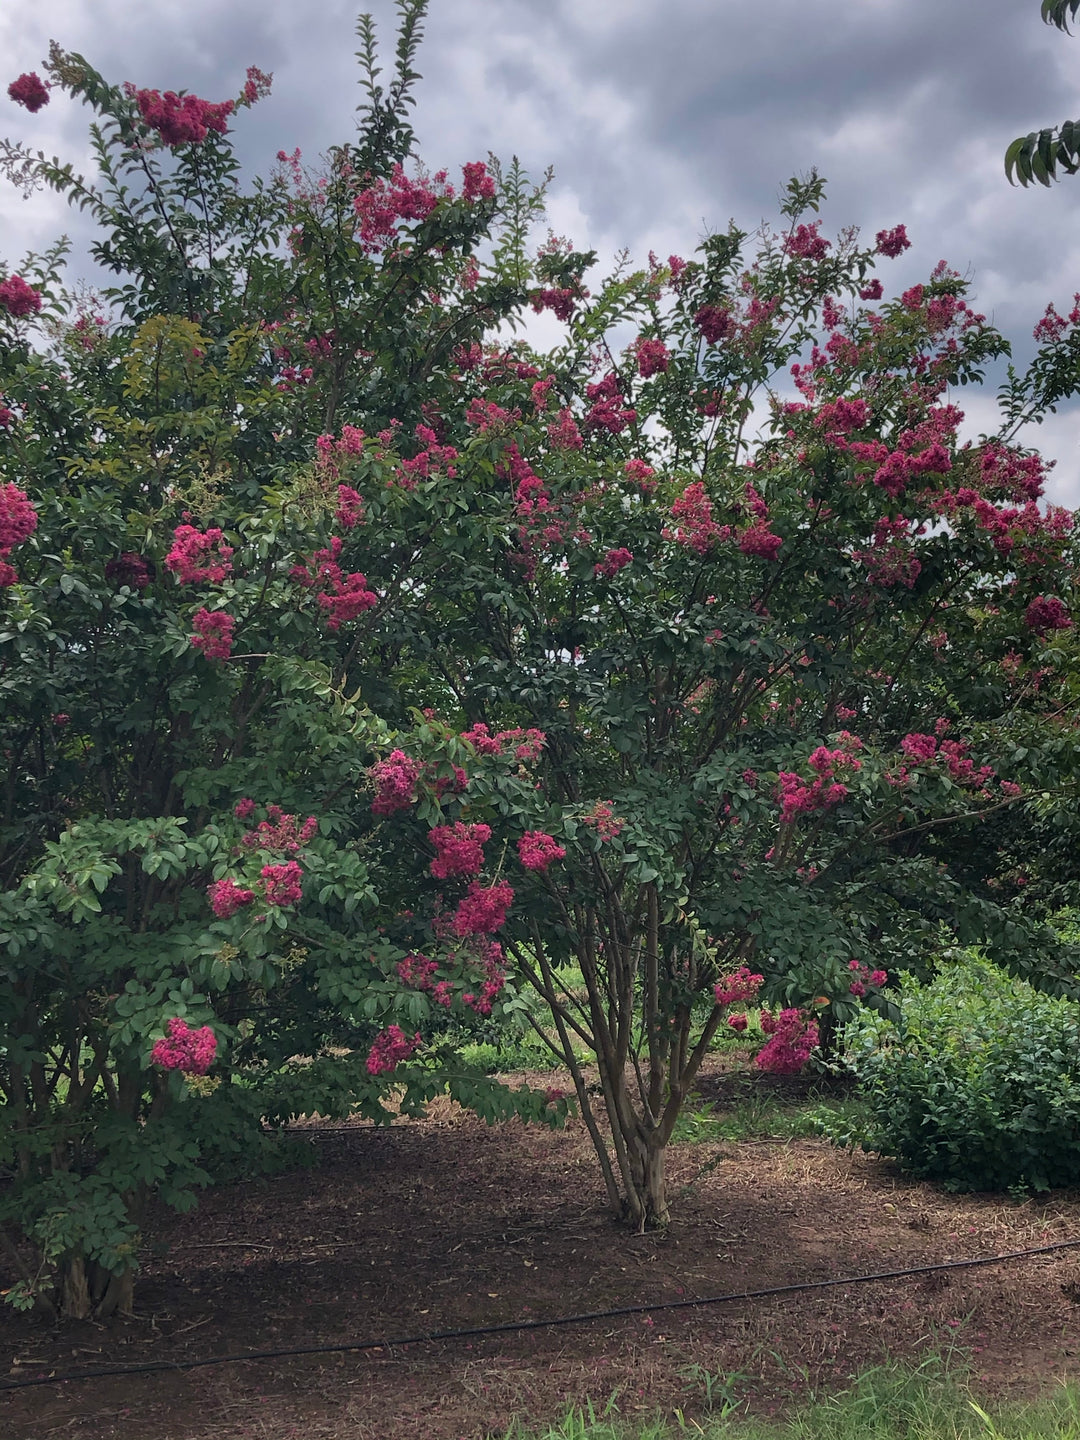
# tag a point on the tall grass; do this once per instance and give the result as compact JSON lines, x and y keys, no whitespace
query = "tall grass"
{"x":928,"y":1401}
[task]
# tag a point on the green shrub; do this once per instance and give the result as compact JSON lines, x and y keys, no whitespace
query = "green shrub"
{"x":977,"y":1083}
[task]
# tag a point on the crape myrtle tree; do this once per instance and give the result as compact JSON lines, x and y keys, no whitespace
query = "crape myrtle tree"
{"x":198,"y":924}
{"x":362,"y":667}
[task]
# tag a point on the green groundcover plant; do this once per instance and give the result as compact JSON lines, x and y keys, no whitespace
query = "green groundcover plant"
{"x":975,"y":1082}
{"x":361,"y":668}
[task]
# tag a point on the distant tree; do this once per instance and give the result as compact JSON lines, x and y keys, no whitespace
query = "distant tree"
{"x":1042,"y":154}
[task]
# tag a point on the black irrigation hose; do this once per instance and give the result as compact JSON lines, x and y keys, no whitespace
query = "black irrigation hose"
{"x":515,"y":1326}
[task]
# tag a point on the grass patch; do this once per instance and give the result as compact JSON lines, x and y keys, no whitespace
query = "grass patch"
{"x":764,"y":1116}
{"x":929,"y":1401}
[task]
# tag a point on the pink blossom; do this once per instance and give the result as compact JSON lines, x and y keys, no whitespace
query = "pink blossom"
{"x":184,"y":1049}
{"x":740,"y":985}
{"x":390,"y":1047}
{"x":603,"y":820}
{"x":483,"y":909}
{"x":227,"y":897}
{"x":696,"y":530}
{"x":395,"y":782}
{"x":128,"y":569}
{"x":760,"y":541}
{"x":18,"y":298}
{"x":792,"y":1038}
{"x":653,"y":357}
{"x":878,"y":977}
{"x":191,"y":549}
{"x":478,"y":184}
{"x":892,"y":242}
{"x":559,"y":301}
{"x":182,"y":119}
{"x":806,"y":243}
{"x":282,"y":883}
{"x":737,"y":1022}
{"x":18,"y":518}
{"x":537,"y":850}
{"x":715,"y":323}
{"x":459,"y":849}
{"x":29,"y":90}
{"x":350,"y":508}
{"x":1046,"y":613}
{"x":919,"y":747}
{"x":873,"y":291}
{"x":213,"y":633}
{"x":279,"y":833}
{"x":244,"y":809}
{"x":564,"y":433}
{"x":613,"y":562}
{"x":8,"y":575}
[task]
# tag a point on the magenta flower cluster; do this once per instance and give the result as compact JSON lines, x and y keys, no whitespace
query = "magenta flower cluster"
{"x":30,"y":91}
{"x":181,"y":119}
{"x":537,"y":850}
{"x":184,"y":1049}
{"x":459,"y":849}
{"x":197,"y":556}
{"x":213,"y":633}
{"x":391,"y":1046}
{"x":792,"y":1037}
{"x":18,"y":298}
{"x":741,"y":985}
{"x":483,"y":909}
{"x":18,"y":521}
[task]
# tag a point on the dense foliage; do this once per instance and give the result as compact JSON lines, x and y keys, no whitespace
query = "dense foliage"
{"x":360,"y":668}
{"x":976,"y":1083}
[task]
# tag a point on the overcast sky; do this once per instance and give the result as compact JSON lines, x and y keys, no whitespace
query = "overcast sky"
{"x":662,"y":118}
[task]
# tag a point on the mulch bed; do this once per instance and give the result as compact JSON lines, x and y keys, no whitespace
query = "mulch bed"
{"x":446,"y":1223}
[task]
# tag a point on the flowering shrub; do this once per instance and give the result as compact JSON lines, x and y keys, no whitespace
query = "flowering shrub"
{"x":502,"y":611}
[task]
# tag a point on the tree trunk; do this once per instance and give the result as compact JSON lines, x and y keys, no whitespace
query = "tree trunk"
{"x":89,"y":1291}
{"x":648,"y":1183}
{"x":75,"y":1302}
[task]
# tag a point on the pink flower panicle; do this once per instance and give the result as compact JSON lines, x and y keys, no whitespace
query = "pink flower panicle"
{"x":603,"y":820}
{"x":395,"y":782}
{"x":892,"y":242}
{"x":483,"y":909}
{"x":715,"y":323}
{"x":227,"y":897}
{"x":653,"y":357}
{"x":696,"y":529}
{"x":350,"y":508}
{"x":30,"y":91}
{"x":1046,"y":613}
{"x":739,"y":986}
{"x":18,"y":298}
{"x":181,"y":1048}
{"x":537,"y":850}
{"x":738,"y":1023}
{"x":198,"y":556}
{"x":390,"y":1047}
{"x":862,"y":977}
{"x":792,"y":1037}
{"x":182,"y":119}
{"x":459,"y":849}
{"x":527,"y":744}
{"x":18,"y":518}
{"x":613,"y":562}
{"x":279,"y":833}
{"x":806,"y":244}
{"x":282,"y":883}
{"x":213,"y":633}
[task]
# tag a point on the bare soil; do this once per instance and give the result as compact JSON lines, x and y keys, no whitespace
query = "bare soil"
{"x":446,"y":1223}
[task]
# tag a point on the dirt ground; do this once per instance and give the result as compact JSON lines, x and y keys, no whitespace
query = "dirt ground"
{"x":445,"y":1223}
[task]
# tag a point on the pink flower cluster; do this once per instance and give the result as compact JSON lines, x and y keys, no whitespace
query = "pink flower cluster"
{"x":653,"y":357}
{"x":740,"y":985}
{"x":382,"y":203}
{"x":477,"y":183}
{"x":128,"y":569}
{"x":862,"y":976}
{"x":537,"y":850}
{"x":435,"y":459}
{"x":29,"y":90}
{"x":892,"y":242}
{"x":18,"y":298}
{"x":181,"y":1048}
{"x":563,"y":432}
{"x":350,"y":508}
{"x":342,"y":596}
{"x":715,"y":322}
{"x":483,"y":909}
{"x":391,"y":1046}
{"x":559,"y":301}
{"x":1046,"y":613}
{"x":613,"y":562}
{"x":182,"y":119}
{"x":459,"y":849}
{"x":926,"y":748}
{"x":18,"y":521}
{"x":608,"y":410}
{"x":890,"y":559}
{"x":696,"y":529}
{"x":279,"y":833}
{"x":395,"y":782}
{"x":282,"y":883}
{"x":603,"y":820}
{"x":799,"y":798}
{"x":527,"y":744}
{"x":806,"y":244}
{"x":792,"y":1038}
{"x":197,"y":556}
{"x":227,"y":897}
{"x":213,"y":633}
